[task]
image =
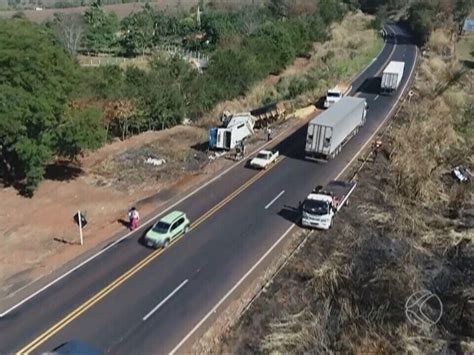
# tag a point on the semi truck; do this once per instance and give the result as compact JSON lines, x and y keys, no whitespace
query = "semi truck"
{"x":235,"y":130}
{"x":331,"y":130}
{"x":336,"y":93}
{"x":322,"y":204}
{"x":392,"y":77}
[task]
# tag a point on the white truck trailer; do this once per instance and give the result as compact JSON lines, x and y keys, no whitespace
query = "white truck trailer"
{"x":392,"y":77}
{"x":332,"y":129}
{"x":336,"y":93}
{"x":237,"y":129}
{"x":321,"y":205}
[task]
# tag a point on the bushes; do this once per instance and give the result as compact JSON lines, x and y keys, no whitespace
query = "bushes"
{"x":421,"y":17}
{"x":272,"y":48}
{"x":38,"y":78}
{"x":233,"y":72}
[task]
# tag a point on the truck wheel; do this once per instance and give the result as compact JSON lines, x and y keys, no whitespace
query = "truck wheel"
{"x":330,"y":224}
{"x":166,"y":244}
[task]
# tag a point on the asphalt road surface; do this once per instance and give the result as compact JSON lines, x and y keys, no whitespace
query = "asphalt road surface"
{"x":134,"y":300}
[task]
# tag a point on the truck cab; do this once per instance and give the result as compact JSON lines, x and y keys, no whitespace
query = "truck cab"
{"x":318,"y":211}
{"x":335,"y":94}
{"x":321,"y":205}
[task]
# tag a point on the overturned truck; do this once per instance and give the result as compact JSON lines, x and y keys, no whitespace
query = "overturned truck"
{"x":268,"y":114}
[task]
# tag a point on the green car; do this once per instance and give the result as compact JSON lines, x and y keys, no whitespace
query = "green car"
{"x":167,"y":229}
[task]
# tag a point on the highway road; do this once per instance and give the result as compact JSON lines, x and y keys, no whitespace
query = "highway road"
{"x":132,"y":299}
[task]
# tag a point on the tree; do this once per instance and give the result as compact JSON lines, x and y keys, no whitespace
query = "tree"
{"x":421,"y":18}
{"x":232,"y":72}
{"x":69,"y":29}
{"x":36,"y":77}
{"x":461,"y":11}
{"x":331,"y":10}
{"x":139,"y":30}
{"x":81,"y":130}
{"x":159,"y":95}
{"x":273,"y":48}
{"x":101,"y":28}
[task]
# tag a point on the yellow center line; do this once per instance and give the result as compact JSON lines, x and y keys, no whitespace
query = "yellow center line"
{"x":140,"y":265}
{"x":135,"y":269}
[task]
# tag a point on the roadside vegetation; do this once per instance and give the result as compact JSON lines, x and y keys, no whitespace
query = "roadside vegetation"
{"x":410,"y":227}
{"x":70,"y":109}
{"x":57,"y":109}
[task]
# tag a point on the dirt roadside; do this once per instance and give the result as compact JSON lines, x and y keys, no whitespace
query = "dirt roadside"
{"x":104,"y":206}
{"x":39,"y":234}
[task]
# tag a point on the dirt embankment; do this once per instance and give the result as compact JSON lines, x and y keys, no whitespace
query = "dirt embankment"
{"x":409,"y":228}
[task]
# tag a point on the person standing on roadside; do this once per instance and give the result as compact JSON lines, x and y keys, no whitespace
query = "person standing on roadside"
{"x":133,"y":217}
{"x":269,"y":134}
{"x":376,"y":145}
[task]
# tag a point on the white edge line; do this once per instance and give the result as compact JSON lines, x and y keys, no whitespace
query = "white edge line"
{"x":149,"y":314}
{"x":389,"y":114}
{"x":231,"y":290}
{"x":355,"y":77}
{"x":36,"y":293}
{"x":276,"y":198}
{"x":141,"y":226}
{"x":222,"y":300}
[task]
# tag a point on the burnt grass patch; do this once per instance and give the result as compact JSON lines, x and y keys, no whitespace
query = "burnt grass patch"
{"x":346,"y":290}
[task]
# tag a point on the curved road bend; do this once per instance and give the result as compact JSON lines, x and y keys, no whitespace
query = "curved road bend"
{"x":135,"y":300}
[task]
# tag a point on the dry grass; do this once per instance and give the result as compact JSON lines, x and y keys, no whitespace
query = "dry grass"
{"x":428,"y":144}
{"x":129,"y":171}
{"x":352,"y":45}
{"x":346,"y":290}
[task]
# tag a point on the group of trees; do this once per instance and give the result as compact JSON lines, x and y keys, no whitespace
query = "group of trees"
{"x":50,"y":107}
{"x":36,"y":79}
{"x":423,"y":16}
{"x":98,"y":32}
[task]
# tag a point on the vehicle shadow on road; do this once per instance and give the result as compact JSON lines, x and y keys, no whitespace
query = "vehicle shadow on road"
{"x":293,"y":145}
{"x":370,"y":86}
{"x":291,"y":214}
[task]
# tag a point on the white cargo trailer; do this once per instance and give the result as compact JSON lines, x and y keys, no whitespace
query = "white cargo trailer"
{"x":237,"y":130}
{"x":392,"y":77}
{"x":328,"y":132}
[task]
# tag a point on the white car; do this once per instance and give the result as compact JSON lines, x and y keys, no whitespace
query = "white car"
{"x":264,"y":158}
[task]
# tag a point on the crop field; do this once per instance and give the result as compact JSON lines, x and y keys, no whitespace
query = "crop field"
{"x":122,"y":10}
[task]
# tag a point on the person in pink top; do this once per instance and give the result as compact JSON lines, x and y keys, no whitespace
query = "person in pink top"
{"x":133,"y":217}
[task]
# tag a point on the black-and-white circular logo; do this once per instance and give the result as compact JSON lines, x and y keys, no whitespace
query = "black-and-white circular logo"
{"x":423,"y":308}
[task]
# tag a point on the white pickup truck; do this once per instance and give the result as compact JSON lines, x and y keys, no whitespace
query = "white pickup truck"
{"x":321,"y":205}
{"x":336,"y":93}
{"x":264,"y":158}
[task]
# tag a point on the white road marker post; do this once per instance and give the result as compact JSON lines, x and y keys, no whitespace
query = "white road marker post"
{"x":79,"y":218}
